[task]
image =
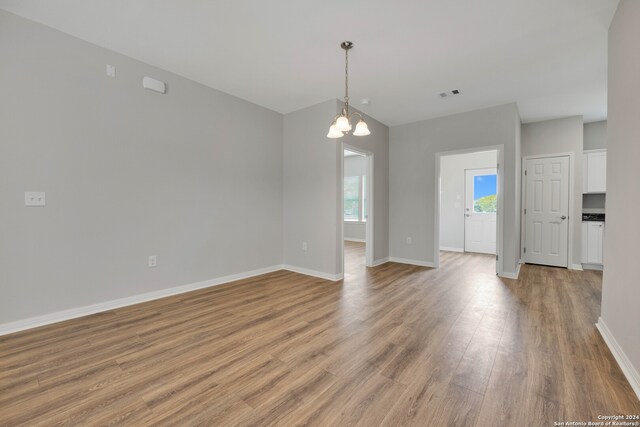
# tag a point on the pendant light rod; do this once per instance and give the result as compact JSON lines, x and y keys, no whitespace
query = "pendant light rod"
{"x":346,"y":45}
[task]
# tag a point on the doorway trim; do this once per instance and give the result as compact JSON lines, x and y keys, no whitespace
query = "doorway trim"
{"x":369,"y":237}
{"x":571,"y":219}
{"x":500,"y":197}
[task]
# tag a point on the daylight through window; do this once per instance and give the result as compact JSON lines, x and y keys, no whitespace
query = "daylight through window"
{"x":355,"y":198}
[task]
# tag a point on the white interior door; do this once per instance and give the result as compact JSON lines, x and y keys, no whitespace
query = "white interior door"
{"x":481,"y":187}
{"x":547,"y":211}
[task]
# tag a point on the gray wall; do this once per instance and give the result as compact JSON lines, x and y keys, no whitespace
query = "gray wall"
{"x":620,"y":289}
{"x":313,"y":174}
{"x":355,"y":166}
{"x":312,"y":189}
{"x":452,"y":198}
{"x":356,"y":231}
{"x":518,"y":184}
{"x":595,"y":135}
{"x":594,"y":202}
{"x":412,"y":153}
{"x":193,"y":176}
{"x":555,"y":137}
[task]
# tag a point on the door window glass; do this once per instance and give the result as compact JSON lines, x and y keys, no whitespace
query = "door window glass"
{"x":484,"y":193}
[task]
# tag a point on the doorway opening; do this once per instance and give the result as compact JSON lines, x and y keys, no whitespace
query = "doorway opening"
{"x":357,"y":197}
{"x":469,"y":203}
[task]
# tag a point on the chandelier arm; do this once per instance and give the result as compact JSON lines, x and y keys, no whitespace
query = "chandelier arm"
{"x":354,"y":113}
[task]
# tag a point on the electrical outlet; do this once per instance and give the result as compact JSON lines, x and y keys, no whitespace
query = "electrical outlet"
{"x":34,"y":198}
{"x":153,"y":261}
{"x":409,"y":240}
{"x":111,"y":71}
{"x":304,"y":246}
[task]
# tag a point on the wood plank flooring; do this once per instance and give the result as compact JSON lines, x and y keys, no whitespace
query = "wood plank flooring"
{"x":392,"y":345}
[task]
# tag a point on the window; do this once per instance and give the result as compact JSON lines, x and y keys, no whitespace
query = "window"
{"x":484,"y":193}
{"x":351,"y":198}
{"x":355,"y":198}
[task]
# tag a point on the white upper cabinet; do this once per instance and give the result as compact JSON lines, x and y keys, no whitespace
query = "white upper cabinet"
{"x":595,"y":171}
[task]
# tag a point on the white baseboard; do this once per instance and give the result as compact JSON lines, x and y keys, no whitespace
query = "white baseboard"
{"x":597,"y":267}
{"x":351,"y":239}
{"x":630,"y":371}
{"x":451,"y":249}
{"x":314,"y":273}
{"x":514,"y":276}
{"x":380,"y":261}
{"x":577,"y":267}
{"x":412,"y":262}
{"x":60,"y":316}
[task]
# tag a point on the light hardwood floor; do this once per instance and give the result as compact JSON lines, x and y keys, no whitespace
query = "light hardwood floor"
{"x":391,"y":345}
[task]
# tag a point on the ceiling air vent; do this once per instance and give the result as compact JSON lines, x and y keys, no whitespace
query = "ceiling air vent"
{"x":450,"y":93}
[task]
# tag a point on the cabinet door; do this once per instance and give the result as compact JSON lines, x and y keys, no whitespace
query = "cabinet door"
{"x":602,"y":243}
{"x":595,"y":231}
{"x":597,"y":172}
{"x":585,"y":243}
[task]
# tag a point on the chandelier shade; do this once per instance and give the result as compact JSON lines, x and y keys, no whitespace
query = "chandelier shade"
{"x":362,"y":129}
{"x":343,"y":125}
{"x":334,"y":132}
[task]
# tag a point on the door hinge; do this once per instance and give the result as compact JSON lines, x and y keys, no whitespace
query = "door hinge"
{"x":525,"y":211}
{"x":525,"y":250}
{"x":525,"y":172}
{"x":497,"y":257}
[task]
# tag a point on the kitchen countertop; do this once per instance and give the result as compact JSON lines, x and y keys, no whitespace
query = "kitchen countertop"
{"x":598,"y":217}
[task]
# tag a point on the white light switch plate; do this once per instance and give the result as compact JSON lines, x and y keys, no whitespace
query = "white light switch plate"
{"x":34,"y":198}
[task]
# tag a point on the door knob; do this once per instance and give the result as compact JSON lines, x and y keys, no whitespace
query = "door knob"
{"x":563,"y":217}
{"x":467,"y":215}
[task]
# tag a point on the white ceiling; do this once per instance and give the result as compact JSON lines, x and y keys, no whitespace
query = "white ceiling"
{"x":549,"y":56}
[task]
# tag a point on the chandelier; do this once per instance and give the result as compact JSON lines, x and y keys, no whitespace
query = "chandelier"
{"x":341,"y":124}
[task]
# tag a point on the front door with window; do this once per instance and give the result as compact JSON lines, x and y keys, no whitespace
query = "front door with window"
{"x":481,"y":187}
